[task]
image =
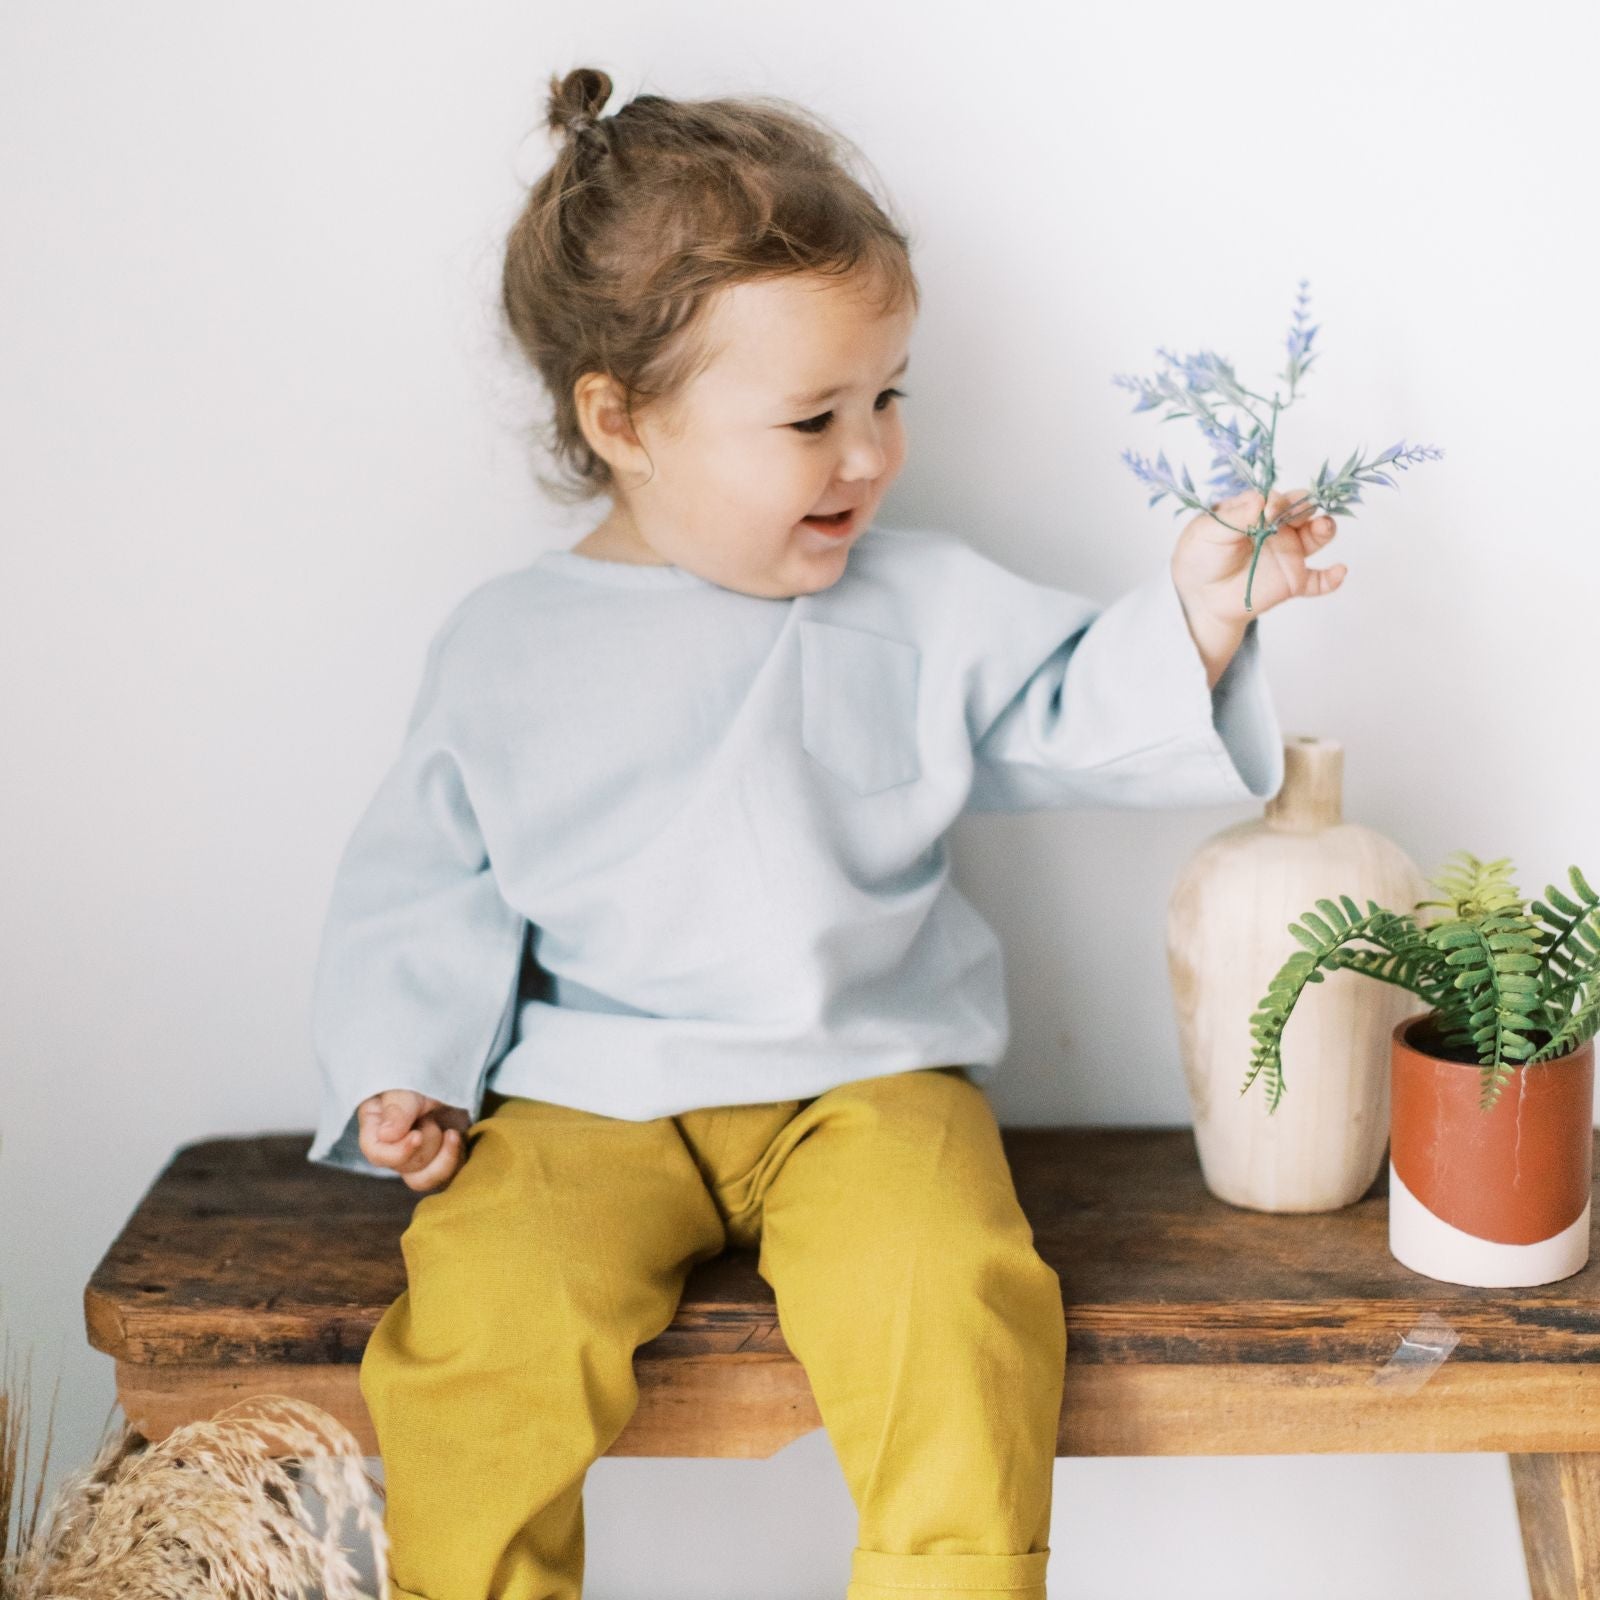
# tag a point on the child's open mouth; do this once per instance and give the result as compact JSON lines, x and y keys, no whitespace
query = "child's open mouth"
{"x":839,"y":523}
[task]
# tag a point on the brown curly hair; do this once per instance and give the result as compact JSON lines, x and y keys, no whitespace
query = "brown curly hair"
{"x":645,"y":215}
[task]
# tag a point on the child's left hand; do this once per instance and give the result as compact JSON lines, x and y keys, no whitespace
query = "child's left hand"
{"x":1210,"y":561}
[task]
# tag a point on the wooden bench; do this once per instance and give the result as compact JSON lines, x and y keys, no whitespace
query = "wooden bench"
{"x":1194,"y":1327}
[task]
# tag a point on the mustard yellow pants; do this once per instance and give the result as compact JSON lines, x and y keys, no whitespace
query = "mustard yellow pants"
{"x":907,"y":1285}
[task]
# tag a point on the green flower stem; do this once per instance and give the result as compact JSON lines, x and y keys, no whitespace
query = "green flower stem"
{"x":1255,"y":556}
{"x":1262,"y":531}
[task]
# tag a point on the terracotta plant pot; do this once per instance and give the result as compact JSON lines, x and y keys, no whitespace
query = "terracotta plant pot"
{"x":1498,"y":1198}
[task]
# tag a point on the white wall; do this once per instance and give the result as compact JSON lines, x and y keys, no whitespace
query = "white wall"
{"x":257,"y":435}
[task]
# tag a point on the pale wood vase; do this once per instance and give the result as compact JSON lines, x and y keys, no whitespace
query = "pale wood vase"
{"x":1227,"y":936}
{"x":1495,"y":1198}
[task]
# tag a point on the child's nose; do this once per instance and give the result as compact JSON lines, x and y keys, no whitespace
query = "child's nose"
{"x":865,"y":460}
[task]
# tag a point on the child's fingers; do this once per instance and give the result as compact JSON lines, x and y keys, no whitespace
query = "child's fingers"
{"x":442,"y":1167}
{"x":386,"y":1137}
{"x":393,"y":1152}
{"x":425,"y":1138}
{"x":376,"y":1115}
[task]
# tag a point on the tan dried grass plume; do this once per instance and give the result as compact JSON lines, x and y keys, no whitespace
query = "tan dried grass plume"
{"x":15,"y":1422}
{"x":211,"y":1512}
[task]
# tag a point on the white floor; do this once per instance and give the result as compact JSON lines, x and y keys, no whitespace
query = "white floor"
{"x":1382,"y":1527}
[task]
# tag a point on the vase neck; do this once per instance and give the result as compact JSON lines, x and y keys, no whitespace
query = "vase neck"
{"x":1312,"y":795}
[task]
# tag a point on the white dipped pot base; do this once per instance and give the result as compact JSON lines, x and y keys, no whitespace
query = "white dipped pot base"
{"x":1426,"y":1243}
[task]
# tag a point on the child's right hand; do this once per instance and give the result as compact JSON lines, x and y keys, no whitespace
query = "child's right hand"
{"x":421,"y":1138}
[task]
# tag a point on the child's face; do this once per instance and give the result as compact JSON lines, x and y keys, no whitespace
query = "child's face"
{"x":734,"y":476}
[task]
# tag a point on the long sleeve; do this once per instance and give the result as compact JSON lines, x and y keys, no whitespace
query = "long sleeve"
{"x":1118,"y":713}
{"x":416,"y":980}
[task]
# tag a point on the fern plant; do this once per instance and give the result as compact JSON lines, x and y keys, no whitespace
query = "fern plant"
{"x":1509,"y":985}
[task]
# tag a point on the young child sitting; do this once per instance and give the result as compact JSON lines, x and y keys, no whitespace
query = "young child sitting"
{"x":702,"y":766}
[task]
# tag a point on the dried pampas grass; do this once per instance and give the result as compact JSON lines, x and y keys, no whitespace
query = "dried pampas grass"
{"x":14,"y":1442}
{"x":211,"y":1512}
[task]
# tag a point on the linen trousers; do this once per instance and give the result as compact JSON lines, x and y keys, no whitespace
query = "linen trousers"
{"x":907,"y":1286}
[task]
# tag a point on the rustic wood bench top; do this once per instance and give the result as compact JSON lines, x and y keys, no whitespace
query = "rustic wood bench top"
{"x":1193,"y":1327}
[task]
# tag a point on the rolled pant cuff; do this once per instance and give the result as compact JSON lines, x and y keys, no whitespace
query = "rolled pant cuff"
{"x":877,"y":1575}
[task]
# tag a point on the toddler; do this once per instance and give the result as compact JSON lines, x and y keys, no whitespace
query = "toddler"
{"x":696,"y":773}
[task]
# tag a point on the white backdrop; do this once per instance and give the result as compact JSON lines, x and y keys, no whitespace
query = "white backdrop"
{"x":258,"y":434}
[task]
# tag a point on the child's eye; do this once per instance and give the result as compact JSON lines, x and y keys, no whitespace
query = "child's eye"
{"x":815,"y":425}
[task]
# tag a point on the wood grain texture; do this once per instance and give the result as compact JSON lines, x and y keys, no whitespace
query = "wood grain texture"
{"x":1193,"y":1327}
{"x":244,"y":1252}
{"x":1228,"y":917}
{"x":1558,"y":1507}
{"x":733,"y":1406}
{"x":752,"y":1406}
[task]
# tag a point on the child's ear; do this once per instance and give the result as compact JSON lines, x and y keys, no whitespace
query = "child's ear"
{"x":603,"y":417}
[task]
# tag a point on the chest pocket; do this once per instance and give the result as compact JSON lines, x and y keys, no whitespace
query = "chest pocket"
{"x":858,"y":713}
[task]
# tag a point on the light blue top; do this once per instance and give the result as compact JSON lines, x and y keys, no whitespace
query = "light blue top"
{"x":717,"y":823}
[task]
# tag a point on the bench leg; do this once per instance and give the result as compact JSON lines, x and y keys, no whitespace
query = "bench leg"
{"x":1558,"y":1505}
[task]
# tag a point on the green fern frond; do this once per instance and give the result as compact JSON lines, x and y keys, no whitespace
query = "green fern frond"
{"x":1403,"y":971}
{"x":1405,"y":957}
{"x":1476,"y":888}
{"x":1501,"y":999}
{"x":1494,"y":1080}
{"x":1570,"y":924}
{"x":1583,"y":1024}
{"x":1496,"y":976}
{"x":1323,"y":941}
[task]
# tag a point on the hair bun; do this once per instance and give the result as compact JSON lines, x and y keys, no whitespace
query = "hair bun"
{"x":577,"y":100}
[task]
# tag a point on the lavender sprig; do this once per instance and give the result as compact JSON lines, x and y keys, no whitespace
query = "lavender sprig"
{"x":1198,"y":386}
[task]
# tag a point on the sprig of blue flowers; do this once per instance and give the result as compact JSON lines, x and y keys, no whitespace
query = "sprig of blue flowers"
{"x":1246,"y":461}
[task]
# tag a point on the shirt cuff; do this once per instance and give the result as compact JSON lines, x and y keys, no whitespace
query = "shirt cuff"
{"x":1232,"y":725}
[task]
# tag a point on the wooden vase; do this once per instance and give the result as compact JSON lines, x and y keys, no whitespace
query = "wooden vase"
{"x":1496,"y":1198}
{"x":1227,"y":936}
